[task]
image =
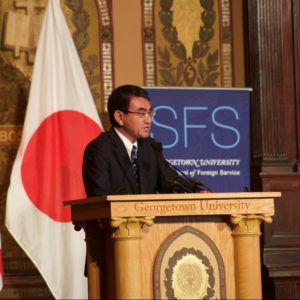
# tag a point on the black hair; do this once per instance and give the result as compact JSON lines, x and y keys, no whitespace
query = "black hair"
{"x":120,"y":98}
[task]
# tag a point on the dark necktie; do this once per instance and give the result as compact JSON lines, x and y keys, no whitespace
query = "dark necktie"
{"x":134,"y":164}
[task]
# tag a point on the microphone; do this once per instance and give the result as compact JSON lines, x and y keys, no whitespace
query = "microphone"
{"x":177,"y":184}
{"x":194,"y":185}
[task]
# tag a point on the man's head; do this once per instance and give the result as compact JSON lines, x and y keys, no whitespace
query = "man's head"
{"x":130,"y":111}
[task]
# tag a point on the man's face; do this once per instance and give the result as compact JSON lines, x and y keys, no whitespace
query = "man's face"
{"x":133,"y":124}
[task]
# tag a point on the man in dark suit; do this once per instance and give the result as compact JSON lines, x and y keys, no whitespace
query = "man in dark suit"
{"x":110,"y":167}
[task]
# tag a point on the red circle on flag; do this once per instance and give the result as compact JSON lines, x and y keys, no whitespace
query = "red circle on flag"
{"x":52,"y":162}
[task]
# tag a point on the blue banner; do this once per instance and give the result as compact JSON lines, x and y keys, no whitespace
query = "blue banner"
{"x":205,"y":134}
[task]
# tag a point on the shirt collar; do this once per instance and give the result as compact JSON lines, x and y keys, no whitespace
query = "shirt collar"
{"x":127,"y":143}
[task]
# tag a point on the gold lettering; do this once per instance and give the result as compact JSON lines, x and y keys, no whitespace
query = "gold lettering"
{"x":3,"y":136}
{"x":10,"y":134}
{"x":164,"y":208}
{"x":211,"y":205}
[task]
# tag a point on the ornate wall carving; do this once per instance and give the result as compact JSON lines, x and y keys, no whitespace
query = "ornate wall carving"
{"x":188,"y":43}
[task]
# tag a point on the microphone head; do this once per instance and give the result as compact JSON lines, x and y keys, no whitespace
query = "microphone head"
{"x":157,"y":146}
{"x":196,"y":181}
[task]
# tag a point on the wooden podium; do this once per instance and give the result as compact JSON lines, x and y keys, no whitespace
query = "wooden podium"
{"x":166,"y":246}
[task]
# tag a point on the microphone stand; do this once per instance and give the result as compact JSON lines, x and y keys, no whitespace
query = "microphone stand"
{"x":197,"y":185}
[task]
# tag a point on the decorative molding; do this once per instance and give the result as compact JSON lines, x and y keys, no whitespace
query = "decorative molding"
{"x":248,"y":224}
{"x":149,"y":42}
{"x":174,"y":58}
{"x":21,"y":31}
{"x":215,"y":273}
{"x":130,"y":227}
{"x":189,"y":275}
{"x":226,"y":43}
{"x":106,"y":49}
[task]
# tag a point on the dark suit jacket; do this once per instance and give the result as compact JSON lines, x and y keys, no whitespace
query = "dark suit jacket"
{"x":107,"y":168}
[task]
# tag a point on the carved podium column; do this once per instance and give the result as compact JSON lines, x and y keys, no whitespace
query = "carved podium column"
{"x":127,"y":253}
{"x":246,"y":234}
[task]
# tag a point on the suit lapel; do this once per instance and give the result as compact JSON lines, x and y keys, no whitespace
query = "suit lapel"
{"x":144,"y":166}
{"x":122,"y":157}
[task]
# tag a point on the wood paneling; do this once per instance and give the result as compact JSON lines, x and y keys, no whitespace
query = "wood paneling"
{"x":270,"y":67}
{"x":272,"y":64}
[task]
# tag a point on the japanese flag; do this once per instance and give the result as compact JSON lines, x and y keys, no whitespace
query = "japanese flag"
{"x":61,"y":118}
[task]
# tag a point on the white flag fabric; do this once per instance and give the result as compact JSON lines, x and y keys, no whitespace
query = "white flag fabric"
{"x":61,"y":118}
{"x":1,"y":266}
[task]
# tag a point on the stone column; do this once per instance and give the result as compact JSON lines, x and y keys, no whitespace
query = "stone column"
{"x":246,"y":237}
{"x":127,"y":254}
